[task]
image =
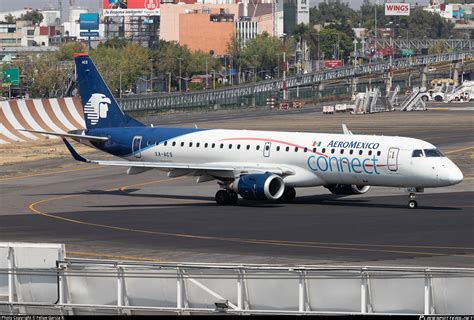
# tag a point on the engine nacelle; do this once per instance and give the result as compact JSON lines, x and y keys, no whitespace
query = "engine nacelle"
{"x":347,"y":189}
{"x":265,"y":186}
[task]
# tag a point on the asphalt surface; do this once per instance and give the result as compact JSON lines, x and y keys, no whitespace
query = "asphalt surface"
{"x":102,"y":212}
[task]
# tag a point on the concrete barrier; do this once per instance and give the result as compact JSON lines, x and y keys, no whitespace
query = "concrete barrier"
{"x":57,"y":115}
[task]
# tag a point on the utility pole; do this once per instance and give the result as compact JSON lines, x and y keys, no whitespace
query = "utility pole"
{"x":376,"y":5}
{"x":120,"y":74}
{"x":207,"y":82}
{"x":180,"y":79}
{"x":284,"y":76}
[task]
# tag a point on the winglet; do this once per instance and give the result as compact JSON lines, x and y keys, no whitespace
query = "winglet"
{"x":73,"y":152}
{"x":345,"y":130}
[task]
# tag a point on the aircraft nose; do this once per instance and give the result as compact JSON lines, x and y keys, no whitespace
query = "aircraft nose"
{"x":455,"y":175}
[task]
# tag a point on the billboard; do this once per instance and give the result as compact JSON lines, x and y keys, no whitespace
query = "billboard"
{"x":89,"y":21}
{"x":131,"y":8}
{"x":397,"y":9}
{"x":332,"y":64}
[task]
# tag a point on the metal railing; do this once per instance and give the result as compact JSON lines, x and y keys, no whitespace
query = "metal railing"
{"x":115,"y":287}
{"x":456,"y":44}
{"x":244,"y":94}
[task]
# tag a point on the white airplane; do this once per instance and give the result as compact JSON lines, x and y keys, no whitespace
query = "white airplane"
{"x":257,"y":165}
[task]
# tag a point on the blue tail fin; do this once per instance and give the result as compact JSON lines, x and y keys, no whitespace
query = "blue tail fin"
{"x":101,"y":110}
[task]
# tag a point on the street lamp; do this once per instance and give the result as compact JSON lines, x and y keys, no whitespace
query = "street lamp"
{"x":179,"y":84}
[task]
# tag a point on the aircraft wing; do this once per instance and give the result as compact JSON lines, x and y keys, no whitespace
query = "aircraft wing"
{"x":177,"y":169}
{"x":69,"y":135}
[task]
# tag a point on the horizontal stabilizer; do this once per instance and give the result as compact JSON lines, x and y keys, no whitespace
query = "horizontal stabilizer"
{"x":69,"y":135}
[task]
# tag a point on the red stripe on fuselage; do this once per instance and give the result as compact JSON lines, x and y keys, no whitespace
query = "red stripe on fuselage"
{"x":292,"y":145}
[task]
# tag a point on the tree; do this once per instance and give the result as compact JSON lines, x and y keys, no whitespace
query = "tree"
{"x":334,"y":11}
{"x":114,"y":43}
{"x":9,"y":18}
{"x":34,"y":16}
{"x":199,"y":59}
{"x":262,"y":52}
{"x":439,"y":47}
{"x":122,"y":64}
{"x":66,"y":51}
{"x":334,"y":44}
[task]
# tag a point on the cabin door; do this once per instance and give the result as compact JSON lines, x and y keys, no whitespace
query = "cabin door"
{"x":392,"y":160}
{"x":137,"y":146}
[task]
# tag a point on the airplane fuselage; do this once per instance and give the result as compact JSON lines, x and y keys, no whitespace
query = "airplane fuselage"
{"x":314,"y":158}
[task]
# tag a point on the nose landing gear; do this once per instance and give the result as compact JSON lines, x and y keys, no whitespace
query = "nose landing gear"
{"x":412,"y":203}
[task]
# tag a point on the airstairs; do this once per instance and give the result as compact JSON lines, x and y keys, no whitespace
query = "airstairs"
{"x":414,"y":101}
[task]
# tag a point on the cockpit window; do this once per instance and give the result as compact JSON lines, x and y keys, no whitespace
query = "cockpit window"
{"x":417,"y":153}
{"x":433,"y":153}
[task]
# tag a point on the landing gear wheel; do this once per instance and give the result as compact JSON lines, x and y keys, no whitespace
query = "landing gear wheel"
{"x":289,"y":194}
{"x":233,"y":198}
{"x":412,"y":204}
{"x":223,"y":197}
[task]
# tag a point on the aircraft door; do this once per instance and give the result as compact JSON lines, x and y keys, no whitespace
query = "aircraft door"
{"x":392,"y":160}
{"x":137,"y":146}
{"x":266,"y":149}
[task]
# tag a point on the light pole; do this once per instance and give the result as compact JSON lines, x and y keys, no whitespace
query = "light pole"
{"x":207,"y":81}
{"x":120,"y":85}
{"x":179,"y":84}
{"x":169,"y":82}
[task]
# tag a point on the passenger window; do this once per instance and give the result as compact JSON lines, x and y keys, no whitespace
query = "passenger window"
{"x":230,"y":146}
{"x":278,"y":148}
{"x":267,"y":147}
{"x":213,"y":145}
{"x":197,"y":145}
{"x":205,"y":145}
{"x":342,"y":151}
{"x":166,"y":142}
{"x":314,"y":150}
{"x":258,"y":148}
{"x":296,"y":149}
{"x":332,"y":150}
{"x":238,"y":146}
{"x":360,"y":152}
{"x":305,"y":149}
{"x":379,"y":153}
{"x":351,"y":151}
{"x":190,"y":144}
{"x":433,"y":153}
{"x":417,"y":153}
{"x":248,"y":147}
{"x":324,"y":150}
{"x":287,"y":149}
{"x":182,"y":144}
{"x":174,"y":143}
{"x":370,"y":152}
{"x":222,"y":145}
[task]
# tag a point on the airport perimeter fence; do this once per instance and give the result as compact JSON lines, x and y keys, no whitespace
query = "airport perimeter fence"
{"x":38,"y":279}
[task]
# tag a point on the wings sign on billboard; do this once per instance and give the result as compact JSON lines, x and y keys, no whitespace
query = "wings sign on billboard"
{"x":131,"y":8}
{"x":397,"y":9}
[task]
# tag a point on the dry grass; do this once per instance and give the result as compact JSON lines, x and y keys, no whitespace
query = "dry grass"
{"x":21,"y":152}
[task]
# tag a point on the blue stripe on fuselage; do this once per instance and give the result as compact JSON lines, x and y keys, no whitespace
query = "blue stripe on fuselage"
{"x":120,"y":139}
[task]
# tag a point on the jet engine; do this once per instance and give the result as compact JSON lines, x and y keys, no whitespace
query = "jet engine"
{"x":265,"y":186}
{"x":347,"y":189}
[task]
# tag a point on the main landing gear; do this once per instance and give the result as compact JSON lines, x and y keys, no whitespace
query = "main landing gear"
{"x":226,"y":197}
{"x":412,"y":203}
{"x":289,"y":195}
